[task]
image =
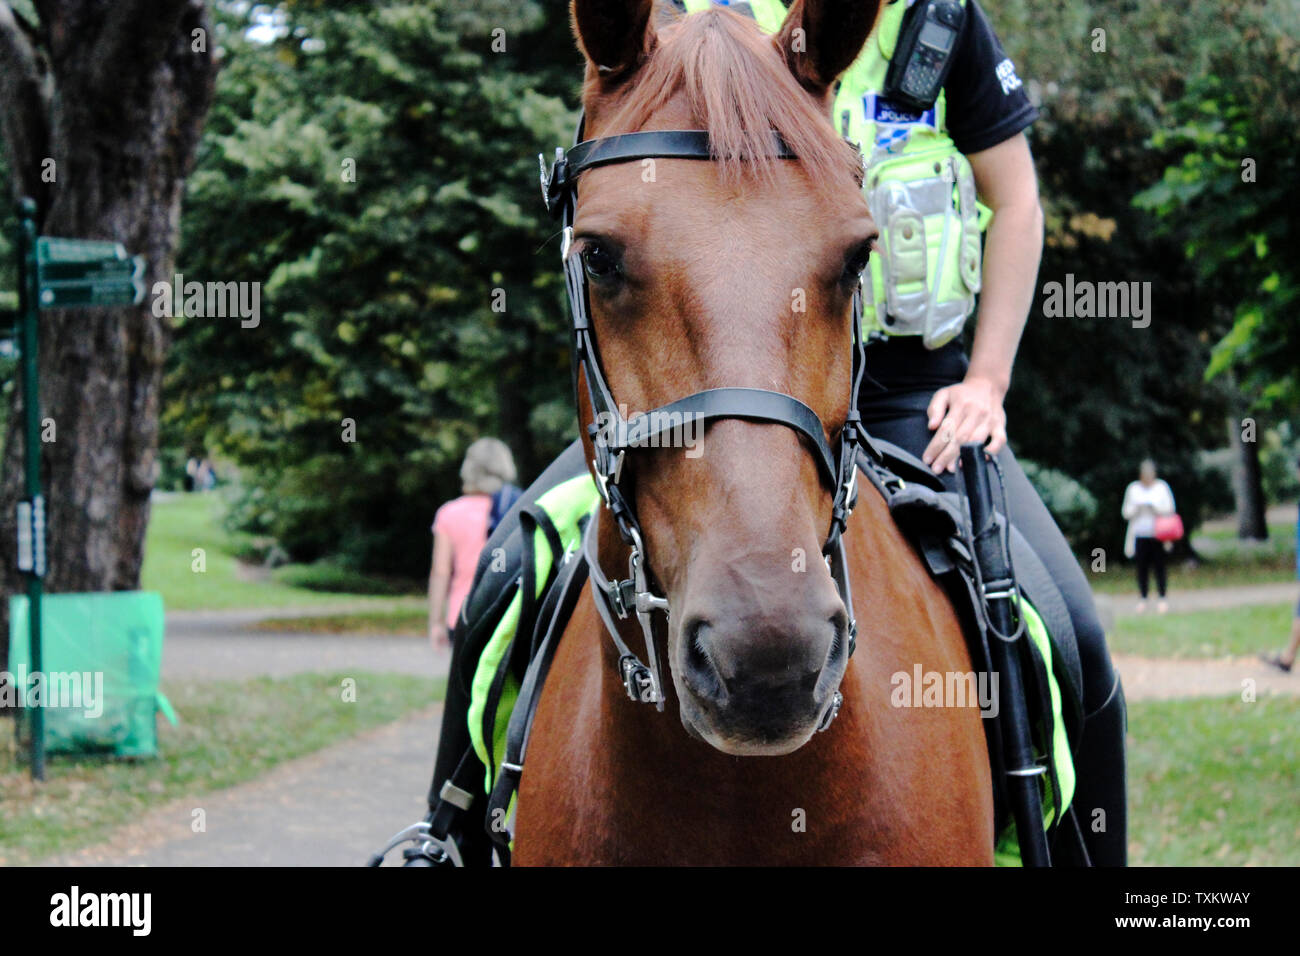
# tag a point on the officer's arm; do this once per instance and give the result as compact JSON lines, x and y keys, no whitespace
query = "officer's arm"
{"x":972,"y":410}
{"x":1005,"y":178}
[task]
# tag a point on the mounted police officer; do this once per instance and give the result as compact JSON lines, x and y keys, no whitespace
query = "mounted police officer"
{"x":939,"y":175}
{"x":940,"y":115}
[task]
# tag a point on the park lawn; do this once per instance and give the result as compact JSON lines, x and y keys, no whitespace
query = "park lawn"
{"x":1213,"y":782}
{"x":1226,"y":531}
{"x":1234,"y":631}
{"x":180,"y":524}
{"x":229,"y":732}
{"x":1222,"y":572}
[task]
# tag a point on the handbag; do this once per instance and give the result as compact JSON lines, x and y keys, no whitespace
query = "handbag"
{"x":1169,"y":527}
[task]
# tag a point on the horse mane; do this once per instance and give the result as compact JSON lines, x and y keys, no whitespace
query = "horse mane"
{"x":739,"y":89}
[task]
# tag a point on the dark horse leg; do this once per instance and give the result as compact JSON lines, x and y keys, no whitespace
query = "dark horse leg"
{"x":900,"y":418}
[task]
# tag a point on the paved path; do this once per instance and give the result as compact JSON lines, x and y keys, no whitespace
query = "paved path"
{"x":1206,"y":599}
{"x":216,"y":657}
{"x":218,"y":645}
{"x":1147,"y":678}
{"x":332,"y":808}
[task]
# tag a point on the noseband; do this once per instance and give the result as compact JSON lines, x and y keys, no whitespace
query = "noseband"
{"x":612,"y":440}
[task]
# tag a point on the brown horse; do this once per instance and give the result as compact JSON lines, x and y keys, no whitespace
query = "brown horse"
{"x":741,"y":273}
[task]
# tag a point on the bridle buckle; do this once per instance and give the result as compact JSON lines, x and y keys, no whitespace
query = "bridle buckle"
{"x":555,"y":181}
{"x":607,"y":473}
{"x":637,"y":679}
{"x":623,"y":597}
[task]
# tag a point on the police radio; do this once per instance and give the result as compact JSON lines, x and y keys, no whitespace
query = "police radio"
{"x":924,"y":52}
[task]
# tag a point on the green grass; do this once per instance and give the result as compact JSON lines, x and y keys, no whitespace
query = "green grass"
{"x":229,"y":732}
{"x":332,"y":577}
{"x":1232,"y":631}
{"x":1220,"y":573}
{"x":1278,"y":532}
{"x":1213,"y":782}
{"x":179,"y":525}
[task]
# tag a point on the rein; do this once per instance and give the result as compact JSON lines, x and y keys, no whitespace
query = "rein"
{"x":619,"y":598}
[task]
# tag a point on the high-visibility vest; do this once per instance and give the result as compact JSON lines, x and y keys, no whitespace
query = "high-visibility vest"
{"x":919,"y":187}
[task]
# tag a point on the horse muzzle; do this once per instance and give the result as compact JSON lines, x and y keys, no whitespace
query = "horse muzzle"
{"x":760,"y":684}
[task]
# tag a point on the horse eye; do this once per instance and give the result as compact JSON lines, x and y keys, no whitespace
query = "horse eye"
{"x":600,"y":263}
{"x":857,"y":261}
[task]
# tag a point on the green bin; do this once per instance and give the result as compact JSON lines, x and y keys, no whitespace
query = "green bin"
{"x":101,"y":655}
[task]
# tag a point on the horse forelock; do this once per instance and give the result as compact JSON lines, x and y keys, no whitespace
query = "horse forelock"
{"x":737,"y":86}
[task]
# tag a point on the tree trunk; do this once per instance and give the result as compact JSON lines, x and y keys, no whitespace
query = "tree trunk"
{"x":120,"y":91}
{"x":1248,"y":486}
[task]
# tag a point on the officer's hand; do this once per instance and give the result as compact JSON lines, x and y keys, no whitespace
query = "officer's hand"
{"x":959,"y":414}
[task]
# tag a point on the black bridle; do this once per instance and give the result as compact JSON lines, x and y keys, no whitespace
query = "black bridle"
{"x":612,"y":440}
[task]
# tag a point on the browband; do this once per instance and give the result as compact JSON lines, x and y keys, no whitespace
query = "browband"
{"x":628,"y":147}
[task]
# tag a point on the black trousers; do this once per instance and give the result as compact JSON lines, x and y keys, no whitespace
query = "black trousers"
{"x":902,"y":379}
{"x":1149,"y":553}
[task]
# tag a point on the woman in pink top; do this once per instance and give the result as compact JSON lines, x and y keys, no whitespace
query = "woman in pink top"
{"x":460,"y":531}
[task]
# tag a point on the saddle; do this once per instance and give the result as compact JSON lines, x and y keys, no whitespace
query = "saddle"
{"x":532,"y":571}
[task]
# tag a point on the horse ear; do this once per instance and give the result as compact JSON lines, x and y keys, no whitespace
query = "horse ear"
{"x":820,"y":39}
{"x":614,"y":35}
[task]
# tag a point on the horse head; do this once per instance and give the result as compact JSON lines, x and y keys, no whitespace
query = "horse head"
{"x":735,"y":273}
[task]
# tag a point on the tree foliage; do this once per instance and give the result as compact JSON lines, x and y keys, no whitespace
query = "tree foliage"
{"x":374,"y":168}
{"x":1091,"y":397}
{"x":378,"y":294}
{"x":1227,"y":199}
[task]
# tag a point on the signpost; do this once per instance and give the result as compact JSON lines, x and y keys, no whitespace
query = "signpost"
{"x":81,"y":272}
{"x":54,"y":274}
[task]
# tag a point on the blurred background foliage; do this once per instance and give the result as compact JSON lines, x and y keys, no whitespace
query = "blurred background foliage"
{"x":1121,"y":113}
{"x":373,"y":166}
{"x":420,"y":299}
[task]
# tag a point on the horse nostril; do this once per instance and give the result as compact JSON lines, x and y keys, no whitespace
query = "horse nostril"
{"x":702,"y":674}
{"x":839,"y":622}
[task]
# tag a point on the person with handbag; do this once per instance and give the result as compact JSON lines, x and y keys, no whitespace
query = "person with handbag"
{"x":461,"y":528}
{"x":1152,"y":523}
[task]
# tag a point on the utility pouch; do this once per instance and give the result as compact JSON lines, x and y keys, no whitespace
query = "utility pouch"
{"x":925,"y":206}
